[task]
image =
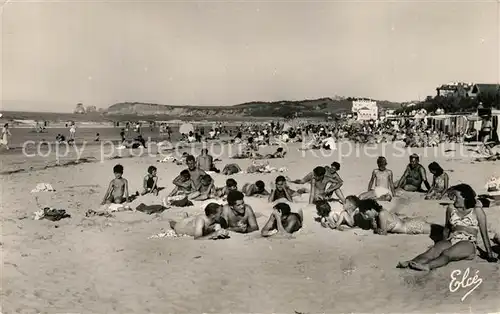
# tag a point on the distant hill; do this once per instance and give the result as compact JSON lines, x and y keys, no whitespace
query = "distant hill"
{"x":305,"y":108}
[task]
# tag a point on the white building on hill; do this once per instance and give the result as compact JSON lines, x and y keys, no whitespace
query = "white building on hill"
{"x":365,"y":109}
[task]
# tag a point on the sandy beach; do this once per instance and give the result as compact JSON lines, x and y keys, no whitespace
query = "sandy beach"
{"x":110,"y":265}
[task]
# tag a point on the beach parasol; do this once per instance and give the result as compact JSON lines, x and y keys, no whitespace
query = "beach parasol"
{"x":186,"y":128}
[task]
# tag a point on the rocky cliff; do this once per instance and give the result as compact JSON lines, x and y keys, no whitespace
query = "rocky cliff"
{"x":305,"y":108}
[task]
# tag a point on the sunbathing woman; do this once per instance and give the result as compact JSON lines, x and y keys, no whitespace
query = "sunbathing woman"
{"x":384,"y":222}
{"x":465,"y":218}
{"x":439,"y":182}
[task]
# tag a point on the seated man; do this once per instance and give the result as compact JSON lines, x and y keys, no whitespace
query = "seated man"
{"x":202,"y":227}
{"x":282,"y":221}
{"x":414,"y":176}
{"x":334,"y":181}
{"x":205,"y":162}
{"x":238,"y":216}
{"x":257,"y":189}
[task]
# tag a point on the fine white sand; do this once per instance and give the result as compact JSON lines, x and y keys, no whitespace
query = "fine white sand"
{"x":108,"y":265}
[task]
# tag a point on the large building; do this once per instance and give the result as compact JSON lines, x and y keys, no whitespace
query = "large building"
{"x":456,"y":89}
{"x":365,"y":109}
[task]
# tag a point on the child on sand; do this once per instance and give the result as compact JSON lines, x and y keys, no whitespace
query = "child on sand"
{"x":257,"y":189}
{"x":336,"y":215}
{"x":439,"y":182}
{"x":384,"y":184}
{"x":150,"y":182}
{"x":117,"y":192}
{"x":202,"y":227}
{"x":384,"y":222}
{"x":280,"y":190}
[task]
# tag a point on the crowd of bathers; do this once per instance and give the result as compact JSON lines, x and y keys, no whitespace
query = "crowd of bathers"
{"x":227,"y":211}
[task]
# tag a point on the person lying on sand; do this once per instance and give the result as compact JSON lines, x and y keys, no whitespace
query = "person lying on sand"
{"x":150,"y":182}
{"x":257,"y":189}
{"x":279,"y":153}
{"x":465,"y":218}
{"x":117,"y":192}
{"x":205,"y":191}
{"x":231,"y":185}
{"x":202,"y":227}
{"x":334,"y":215}
{"x":384,"y":185}
{"x":282,"y":221}
{"x":384,"y":222}
{"x":439,"y":182}
{"x":280,"y":190}
{"x":414,"y":176}
{"x":238,"y":216}
{"x":230,"y":169}
{"x":205,"y":162}
{"x":324,"y":176}
{"x":183,"y":184}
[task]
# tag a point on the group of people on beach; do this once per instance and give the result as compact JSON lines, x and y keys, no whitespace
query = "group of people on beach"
{"x":227,"y":210}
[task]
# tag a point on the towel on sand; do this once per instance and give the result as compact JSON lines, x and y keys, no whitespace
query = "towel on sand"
{"x":43,"y":187}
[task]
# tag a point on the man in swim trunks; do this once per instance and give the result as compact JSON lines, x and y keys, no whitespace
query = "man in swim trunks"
{"x":384,"y":186}
{"x":202,"y":227}
{"x":238,"y":216}
{"x":205,"y":162}
{"x":195,"y":173}
{"x":282,"y":221}
{"x":414,"y":176}
{"x":319,"y":179}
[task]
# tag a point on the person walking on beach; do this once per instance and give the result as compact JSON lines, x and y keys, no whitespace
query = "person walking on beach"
{"x":5,"y":135}
{"x":72,"y":132}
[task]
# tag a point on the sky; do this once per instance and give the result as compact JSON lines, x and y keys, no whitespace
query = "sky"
{"x":57,"y":54}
